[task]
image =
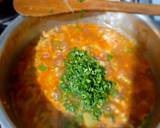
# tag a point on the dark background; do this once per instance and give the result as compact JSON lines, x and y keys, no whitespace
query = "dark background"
{"x":7,"y":13}
{"x":6,"y":8}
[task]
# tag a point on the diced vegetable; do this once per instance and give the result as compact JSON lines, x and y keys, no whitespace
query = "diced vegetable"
{"x":42,"y":67}
{"x":110,"y":57}
{"x":82,"y":12}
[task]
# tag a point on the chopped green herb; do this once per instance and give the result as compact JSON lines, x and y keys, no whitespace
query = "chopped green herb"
{"x":58,"y":44}
{"x":81,"y":1}
{"x":115,"y":93}
{"x":83,"y":83}
{"x":70,"y":123}
{"x":110,"y":57}
{"x":129,"y":50}
{"x":82,"y":11}
{"x":42,"y":67}
{"x":112,"y":117}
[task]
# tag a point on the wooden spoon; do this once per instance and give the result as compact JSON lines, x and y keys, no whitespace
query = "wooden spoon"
{"x":52,"y":7}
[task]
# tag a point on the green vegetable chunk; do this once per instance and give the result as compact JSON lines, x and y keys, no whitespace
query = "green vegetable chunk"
{"x":83,"y":83}
{"x":81,"y":1}
{"x":110,"y":57}
{"x":42,"y":67}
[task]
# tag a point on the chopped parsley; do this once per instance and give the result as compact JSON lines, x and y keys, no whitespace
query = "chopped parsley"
{"x":110,"y":57}
{"x":42,"y":67}
{"x":81,"y":1}
{"x":83,"y":83}
{"x":58,"y":44}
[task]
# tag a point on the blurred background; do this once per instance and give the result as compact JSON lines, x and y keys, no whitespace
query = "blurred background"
{"x":7,"y":12}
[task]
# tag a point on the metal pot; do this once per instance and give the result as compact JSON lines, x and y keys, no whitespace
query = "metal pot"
{"x":24,"y":29}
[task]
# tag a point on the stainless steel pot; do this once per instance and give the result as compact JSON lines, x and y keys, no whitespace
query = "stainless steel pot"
{"x":23,"y":30}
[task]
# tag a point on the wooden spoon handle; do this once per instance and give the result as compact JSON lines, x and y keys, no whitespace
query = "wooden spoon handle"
{"x":53,"y":7}
{"x":126,"y":7}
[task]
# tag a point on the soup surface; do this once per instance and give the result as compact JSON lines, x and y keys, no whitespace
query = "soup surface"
{"x":38,"y":98}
